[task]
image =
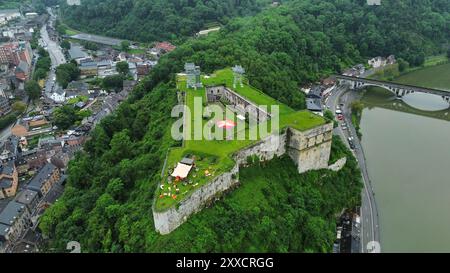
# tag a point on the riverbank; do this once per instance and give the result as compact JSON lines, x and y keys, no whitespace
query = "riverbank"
{"x":407,"y":155}
{"x":392,"y":72}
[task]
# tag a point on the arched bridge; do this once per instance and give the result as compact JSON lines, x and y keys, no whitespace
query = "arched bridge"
{"x":398,"y":89}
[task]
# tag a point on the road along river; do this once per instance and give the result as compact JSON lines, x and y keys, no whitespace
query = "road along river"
{"x":408,"y":159}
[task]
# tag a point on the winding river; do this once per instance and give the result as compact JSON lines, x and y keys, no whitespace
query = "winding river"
{"x":407,"y":146}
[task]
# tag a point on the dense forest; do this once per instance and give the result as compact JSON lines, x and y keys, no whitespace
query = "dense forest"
{"x":300,"y":42}
{"x":150,"y":20}
{"x":107,"y":202}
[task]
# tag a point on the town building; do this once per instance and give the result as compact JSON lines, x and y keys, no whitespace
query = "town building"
{"x":88,"y":69}
{"x":9,"y":149}
{"x":14,"y":219}
{"x":164,"y":47}
{"x":9,"y":180}
{"x":29,"y":198}
{"x":45,"y":179}
{"x":59,"y":95}
{"x":5,"y":107}
{"x":14,"y":52}
{"x":7,"y":15}
{"x":22,"y":71}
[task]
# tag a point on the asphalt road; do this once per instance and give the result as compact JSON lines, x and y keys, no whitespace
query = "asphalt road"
{"x":369,"y":211}
{"x":56,"y":55}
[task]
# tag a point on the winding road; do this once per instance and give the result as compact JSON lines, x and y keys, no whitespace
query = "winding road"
{"x":370,"y":236}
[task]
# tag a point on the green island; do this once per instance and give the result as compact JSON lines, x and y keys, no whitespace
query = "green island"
{"x":214,"y":157}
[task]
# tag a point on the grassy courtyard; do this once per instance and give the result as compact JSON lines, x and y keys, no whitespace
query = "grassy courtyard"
{"x":214,"y":157}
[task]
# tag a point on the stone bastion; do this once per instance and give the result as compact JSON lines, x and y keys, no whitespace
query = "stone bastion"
{"x":310,"y":150}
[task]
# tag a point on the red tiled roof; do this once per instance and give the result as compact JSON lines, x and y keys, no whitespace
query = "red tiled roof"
{"x":165,"y":46}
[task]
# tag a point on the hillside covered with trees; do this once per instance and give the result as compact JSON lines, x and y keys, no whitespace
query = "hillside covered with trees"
{"x":302,"y":41}
{"x":107,"y":202}
{"x":150,"y":20}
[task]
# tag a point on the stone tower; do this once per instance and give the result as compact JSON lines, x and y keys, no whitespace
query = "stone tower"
{"x":193,"y":76}
{"x":238,"y":73}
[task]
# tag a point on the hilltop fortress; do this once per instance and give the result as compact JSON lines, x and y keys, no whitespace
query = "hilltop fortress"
{"x":305,"y":137}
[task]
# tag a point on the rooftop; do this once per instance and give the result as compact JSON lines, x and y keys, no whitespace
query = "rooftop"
{"x":97,"y":39}
{"x":11,"y":213}
{"x":26,"y":197}
{"x":314,"y":104}
{"x":5,"y":182}
{"x":41,"y":177}
{"x":3,"y":230}
{"x":7,"y":168}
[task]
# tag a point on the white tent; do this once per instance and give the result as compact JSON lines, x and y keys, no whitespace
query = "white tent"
{"x":182,"y":171}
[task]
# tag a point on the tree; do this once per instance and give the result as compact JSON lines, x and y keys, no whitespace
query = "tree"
{"x":330,"y":117}
{"x":65,"y":73}
{"x":125,"y":46}
{"x":64,"y":117}
{"x":19,"y":107}
{"x":65,"y":44}
{"x":123,"y":68}
{"x":113,"y":83}
{"x":402,"y":65}
{"x":448,"y":53}
{"x":39,"y":74}
{"x":357,"y":107}
{"x":90,"y":45}
{"x":32,"y":89}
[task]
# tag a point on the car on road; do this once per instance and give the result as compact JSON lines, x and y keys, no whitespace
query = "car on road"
{"x":340,"y":117}
{"x":352,"y":145}
{"x":338,"y":112}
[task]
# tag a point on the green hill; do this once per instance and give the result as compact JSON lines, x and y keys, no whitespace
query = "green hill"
{"x":108,"y":198}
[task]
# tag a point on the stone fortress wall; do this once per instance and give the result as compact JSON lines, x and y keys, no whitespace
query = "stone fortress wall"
{"x":310,"y":150}
{"x":241,"y":104}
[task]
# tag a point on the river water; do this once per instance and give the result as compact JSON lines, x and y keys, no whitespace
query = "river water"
{"x":408,"y":158}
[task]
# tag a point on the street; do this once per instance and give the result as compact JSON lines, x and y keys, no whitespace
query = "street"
{"x":369,"y":213}
{"x":56,"y":55}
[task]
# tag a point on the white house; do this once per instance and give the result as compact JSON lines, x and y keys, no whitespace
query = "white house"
{"x":8,"y":15}
{"x":377,"y":62}
{"x":58,"y":96}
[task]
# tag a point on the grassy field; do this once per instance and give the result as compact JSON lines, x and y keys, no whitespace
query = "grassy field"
{"x":213,"y":157}
{"x":137,"y":51}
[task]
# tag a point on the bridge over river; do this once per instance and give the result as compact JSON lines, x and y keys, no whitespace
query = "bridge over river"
{"x":398,"y":89}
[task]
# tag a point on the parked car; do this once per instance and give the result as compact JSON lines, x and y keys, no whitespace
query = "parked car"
{"x":352,"y":145}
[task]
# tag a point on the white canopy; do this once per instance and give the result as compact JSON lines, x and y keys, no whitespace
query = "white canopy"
{"x":182,"y":171}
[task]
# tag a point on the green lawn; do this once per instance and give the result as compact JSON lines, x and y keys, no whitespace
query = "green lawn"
{"x":215,"y":156}
{"x":137,"y":51}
